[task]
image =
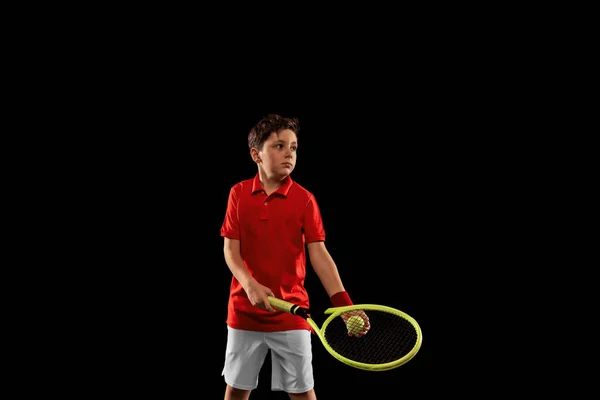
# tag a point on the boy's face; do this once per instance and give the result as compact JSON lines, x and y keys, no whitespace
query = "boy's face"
{"x":278,"y":155}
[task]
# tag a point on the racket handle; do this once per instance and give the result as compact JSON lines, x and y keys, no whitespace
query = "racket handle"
{"x":282,"y":305}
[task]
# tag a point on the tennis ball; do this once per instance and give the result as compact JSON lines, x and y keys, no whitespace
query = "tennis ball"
{"x":355,"y":324}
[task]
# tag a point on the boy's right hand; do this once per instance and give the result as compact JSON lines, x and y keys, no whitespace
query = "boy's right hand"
{"x":258,"y":296}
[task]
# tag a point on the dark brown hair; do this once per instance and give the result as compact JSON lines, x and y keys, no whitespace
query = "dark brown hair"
{"x":269,"y":124}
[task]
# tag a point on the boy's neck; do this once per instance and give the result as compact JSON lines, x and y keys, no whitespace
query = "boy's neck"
{"x":269,"y":185}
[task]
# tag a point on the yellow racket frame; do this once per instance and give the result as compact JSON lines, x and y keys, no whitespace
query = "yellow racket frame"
{"x":335,"y":312}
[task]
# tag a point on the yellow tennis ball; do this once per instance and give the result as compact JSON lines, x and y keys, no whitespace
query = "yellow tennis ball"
{"x":355,"y":324}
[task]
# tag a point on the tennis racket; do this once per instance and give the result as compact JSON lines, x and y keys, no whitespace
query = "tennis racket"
{"x":370,"y":337}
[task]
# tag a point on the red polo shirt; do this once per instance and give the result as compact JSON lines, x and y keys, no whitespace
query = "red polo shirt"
{"x":273,"y":231}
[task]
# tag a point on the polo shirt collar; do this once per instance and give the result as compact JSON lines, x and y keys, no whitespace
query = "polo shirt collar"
{"x":283,"y":189}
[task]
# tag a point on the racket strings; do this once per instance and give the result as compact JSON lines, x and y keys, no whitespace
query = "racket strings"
{"x":389,"y":338}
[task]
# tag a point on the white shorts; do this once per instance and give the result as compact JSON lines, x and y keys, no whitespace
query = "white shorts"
{"x":291,"y":359}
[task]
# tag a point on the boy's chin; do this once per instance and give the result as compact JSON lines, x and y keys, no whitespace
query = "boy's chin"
{"x":282,"y":175}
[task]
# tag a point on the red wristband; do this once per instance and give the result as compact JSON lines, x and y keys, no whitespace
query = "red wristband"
{"x":341,"y":299}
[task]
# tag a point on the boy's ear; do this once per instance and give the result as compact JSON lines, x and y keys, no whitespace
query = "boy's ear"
{"x":254,"y":155}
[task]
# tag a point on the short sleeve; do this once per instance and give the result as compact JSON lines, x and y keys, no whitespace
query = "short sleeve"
{"x":313,"y":223}
{"x":230,"y":227}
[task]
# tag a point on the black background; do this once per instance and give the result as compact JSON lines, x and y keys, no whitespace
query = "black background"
{"x":404,"y":139}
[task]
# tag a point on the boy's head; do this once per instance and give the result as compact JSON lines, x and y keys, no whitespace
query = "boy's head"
{"x":269,"y":124}
{"x":273,"y":143}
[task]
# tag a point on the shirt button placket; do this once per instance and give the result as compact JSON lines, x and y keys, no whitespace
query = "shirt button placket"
{"x":263,"y":211}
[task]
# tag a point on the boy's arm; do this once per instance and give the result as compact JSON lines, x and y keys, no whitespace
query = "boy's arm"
{"x":257,"y":293}
{"x":328,"y":274}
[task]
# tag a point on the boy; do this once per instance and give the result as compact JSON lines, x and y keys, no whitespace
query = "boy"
{"x":269,"y":224}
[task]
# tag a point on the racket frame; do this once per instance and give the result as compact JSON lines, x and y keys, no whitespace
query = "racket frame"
{"x":334,"y":312}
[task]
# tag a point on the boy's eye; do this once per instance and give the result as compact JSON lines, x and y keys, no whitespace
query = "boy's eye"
{"x":280,"y":146}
